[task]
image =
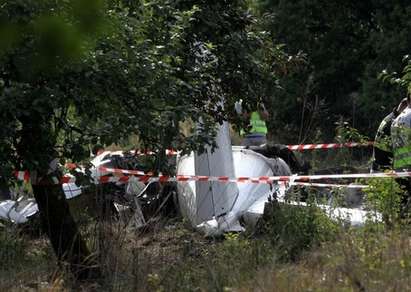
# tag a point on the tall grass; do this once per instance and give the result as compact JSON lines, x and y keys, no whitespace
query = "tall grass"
{"x":295,"y":248}
{"x":26,"y":260}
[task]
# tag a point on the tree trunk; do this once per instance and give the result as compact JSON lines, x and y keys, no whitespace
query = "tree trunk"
{"x":36,"y":149}
{"x":63,"y":232}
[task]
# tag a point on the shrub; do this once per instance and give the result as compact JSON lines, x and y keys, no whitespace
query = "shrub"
{"x":295,"y":228}
{"x":384,"y":196}
{"x":12,"y":248}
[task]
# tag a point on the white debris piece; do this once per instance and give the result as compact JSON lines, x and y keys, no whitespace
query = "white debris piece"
{"x":18,"y":211}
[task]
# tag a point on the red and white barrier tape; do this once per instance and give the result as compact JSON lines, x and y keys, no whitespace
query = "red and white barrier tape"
{"x":169,"y":152}
{"x":22,"y":175}
{"x":117,"y":171}
{"x":299,"y":147}
{"x":320,"y":185}
{"x":262,"y":179}
{"x":303,"y":147}
{"x":293,"y":179}
{"x":122,"y":175}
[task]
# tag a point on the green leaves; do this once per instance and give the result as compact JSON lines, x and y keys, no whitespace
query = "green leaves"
{"x":347,"y":44}
{"x":78,"y":72}
{"x":404,"y":81}
{"x":384,"y":196}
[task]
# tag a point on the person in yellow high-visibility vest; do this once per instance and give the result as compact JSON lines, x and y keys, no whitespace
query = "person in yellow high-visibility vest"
{"x":401,"y":147}
{"x":401,"y":139}
{"x":256,"y":132}
{"x":382,"y":158}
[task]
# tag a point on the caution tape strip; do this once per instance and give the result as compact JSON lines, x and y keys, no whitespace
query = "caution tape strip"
{"x":121,"y":175}
{"x":261,"y":179}
{"x":298,"y":147}
{"x":125,"y":179}
{"x":293,"y":179}
{"x":117,"y":171}
{"x":321,"y":185}
{"x":303,"y":147}
{"x":169,"y":152}
{"x":22,"y":175}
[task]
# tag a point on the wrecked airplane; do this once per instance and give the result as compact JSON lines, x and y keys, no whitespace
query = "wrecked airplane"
{"x":215,"y":207}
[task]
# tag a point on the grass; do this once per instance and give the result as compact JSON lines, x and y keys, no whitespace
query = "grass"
{"x":357,"y":261}
{"x":27,"y":261}
{"x":171,"y":257}
{"x":294,"y":249}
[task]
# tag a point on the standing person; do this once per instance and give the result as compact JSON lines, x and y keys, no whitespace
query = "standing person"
{"x":382,"y":157}
{"x":401,"y":145}
{"x":256,"y":132}
{"x":401,"y":139}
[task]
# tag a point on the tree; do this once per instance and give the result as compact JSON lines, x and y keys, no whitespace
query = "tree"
{"x":41,"y":66}
{"x":390,"y":42}
{"x":402,"y":80}
{"x":347,"y":45}
{"x":74,"y":73}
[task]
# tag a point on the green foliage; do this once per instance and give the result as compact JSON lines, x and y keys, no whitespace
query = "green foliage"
{"x":357,"y":260}
{"x":294,"y":228}
{"x":176,"y":259}
{"x":12,"y":248}
{"x":347,"y":44}
{"x":24,"y":257}
{"x":220,"y":266}
{"x":77,"y":73}
{"x":403,"y":81}
{"x":345,"y":133}
{"x":384,"y":196}
{"x":40,"y":71}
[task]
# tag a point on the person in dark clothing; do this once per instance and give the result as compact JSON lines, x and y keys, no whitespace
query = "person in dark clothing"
{"x":382,"y":157}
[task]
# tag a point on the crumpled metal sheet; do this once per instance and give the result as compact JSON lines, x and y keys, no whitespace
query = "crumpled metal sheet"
{"x":18,"y":211}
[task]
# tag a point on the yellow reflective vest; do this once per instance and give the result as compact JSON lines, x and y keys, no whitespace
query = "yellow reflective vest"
{"x":257,"y":125}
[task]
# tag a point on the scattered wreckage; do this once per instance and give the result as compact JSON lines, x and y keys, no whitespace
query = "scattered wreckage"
{"x":17,"y":207}
{"x":210,"y":206}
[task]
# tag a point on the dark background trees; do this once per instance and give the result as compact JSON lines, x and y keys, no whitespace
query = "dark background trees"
{"x":347,"y":45}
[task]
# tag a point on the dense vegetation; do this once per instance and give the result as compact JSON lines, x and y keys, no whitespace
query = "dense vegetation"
{"x":347,"y":45}
{"x":295,"y":249}
{"x":74,"y":74}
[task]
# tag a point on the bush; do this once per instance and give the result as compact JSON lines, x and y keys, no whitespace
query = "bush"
{"x":384,"y":196}
{"x":295,"y":228}
{"x":12,"y":248}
